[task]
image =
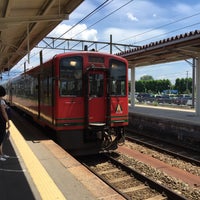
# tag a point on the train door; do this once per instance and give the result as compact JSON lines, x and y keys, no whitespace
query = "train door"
{"x":96,"y":101}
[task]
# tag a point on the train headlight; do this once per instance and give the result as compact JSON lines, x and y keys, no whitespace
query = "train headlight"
{"x":73,"y":63}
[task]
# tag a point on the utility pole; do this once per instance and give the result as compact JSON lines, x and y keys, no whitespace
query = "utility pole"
{"x":187,"y":81}
{"x":193,"y":81}
{"x":193,"y":64}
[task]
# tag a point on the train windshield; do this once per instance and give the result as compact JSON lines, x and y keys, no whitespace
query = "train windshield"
{"x":71,"y":76}
{"x":118,"y":78}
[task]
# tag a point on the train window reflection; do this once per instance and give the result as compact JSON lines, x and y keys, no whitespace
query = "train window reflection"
{"x":71,"y":76}
{"x":118,"y":78}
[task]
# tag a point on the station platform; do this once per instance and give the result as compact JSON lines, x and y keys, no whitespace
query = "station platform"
{"x":177,"y":114}
{"x":39,"y":169}
{"x":175,"y":125}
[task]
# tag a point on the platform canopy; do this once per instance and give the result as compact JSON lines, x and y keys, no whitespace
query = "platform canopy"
{"x":24,"y":23}
{"x":179,"y":47}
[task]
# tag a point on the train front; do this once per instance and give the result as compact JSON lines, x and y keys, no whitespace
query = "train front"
{"x":98,"y":108}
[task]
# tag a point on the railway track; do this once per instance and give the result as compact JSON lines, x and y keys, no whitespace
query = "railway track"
{"x":125,"y":180}
{"x":178,"y":152}
{"x":160,"y":195}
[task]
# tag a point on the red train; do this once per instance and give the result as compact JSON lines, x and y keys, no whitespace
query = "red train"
{"x":83,"y":96}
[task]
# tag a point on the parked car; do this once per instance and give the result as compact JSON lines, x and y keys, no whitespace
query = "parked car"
{"x":145,"y":97}
{"x":182,"y":99}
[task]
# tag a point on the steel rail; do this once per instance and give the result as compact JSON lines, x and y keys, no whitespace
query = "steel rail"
{"x":162,"y":150}
{"x":170,"y":195}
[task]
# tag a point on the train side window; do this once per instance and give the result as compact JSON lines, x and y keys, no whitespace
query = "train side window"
{"x":118,"y":78}
{"x":71,"y":76}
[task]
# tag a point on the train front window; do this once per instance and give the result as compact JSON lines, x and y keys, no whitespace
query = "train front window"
{"x":71,"y":76}
{"x":118,"y":78}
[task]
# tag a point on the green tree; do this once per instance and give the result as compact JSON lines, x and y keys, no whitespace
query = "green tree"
{"x":140,"y":86}
{"x":146,"y":78}
{"x":183,"y":85}
{"x":153,"y":86}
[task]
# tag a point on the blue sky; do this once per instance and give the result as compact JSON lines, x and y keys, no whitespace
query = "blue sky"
{"x":139,"y":22}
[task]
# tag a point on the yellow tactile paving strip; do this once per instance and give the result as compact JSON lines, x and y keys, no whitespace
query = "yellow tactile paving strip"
{"x":43,"y":182}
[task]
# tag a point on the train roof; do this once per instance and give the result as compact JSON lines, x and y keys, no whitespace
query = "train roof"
{"x":70,"y":53}
{"x":81,"y":53}
{"x":88,"y":52}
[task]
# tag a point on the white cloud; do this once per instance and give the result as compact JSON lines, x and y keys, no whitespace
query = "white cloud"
{"x":78,"y":32}
{"x":90,"y":34}
{"x":183,"y":9}
{"x":154,"y":15}
{"x":133,"y":35}
{"x":132,"y":17}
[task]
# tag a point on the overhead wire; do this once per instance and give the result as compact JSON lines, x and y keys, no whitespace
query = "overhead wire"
{"x":101,"y":6}
{"x":104,"y":17}
{"x":158,"y":27}
{"x":107,"y":2}
{"x":170,"y":32}
{"x":179,"y":20}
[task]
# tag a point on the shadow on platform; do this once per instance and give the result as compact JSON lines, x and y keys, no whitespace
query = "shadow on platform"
{"x":13,"y":181}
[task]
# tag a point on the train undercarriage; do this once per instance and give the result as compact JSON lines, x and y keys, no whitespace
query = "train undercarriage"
{"x":94,"y":140}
